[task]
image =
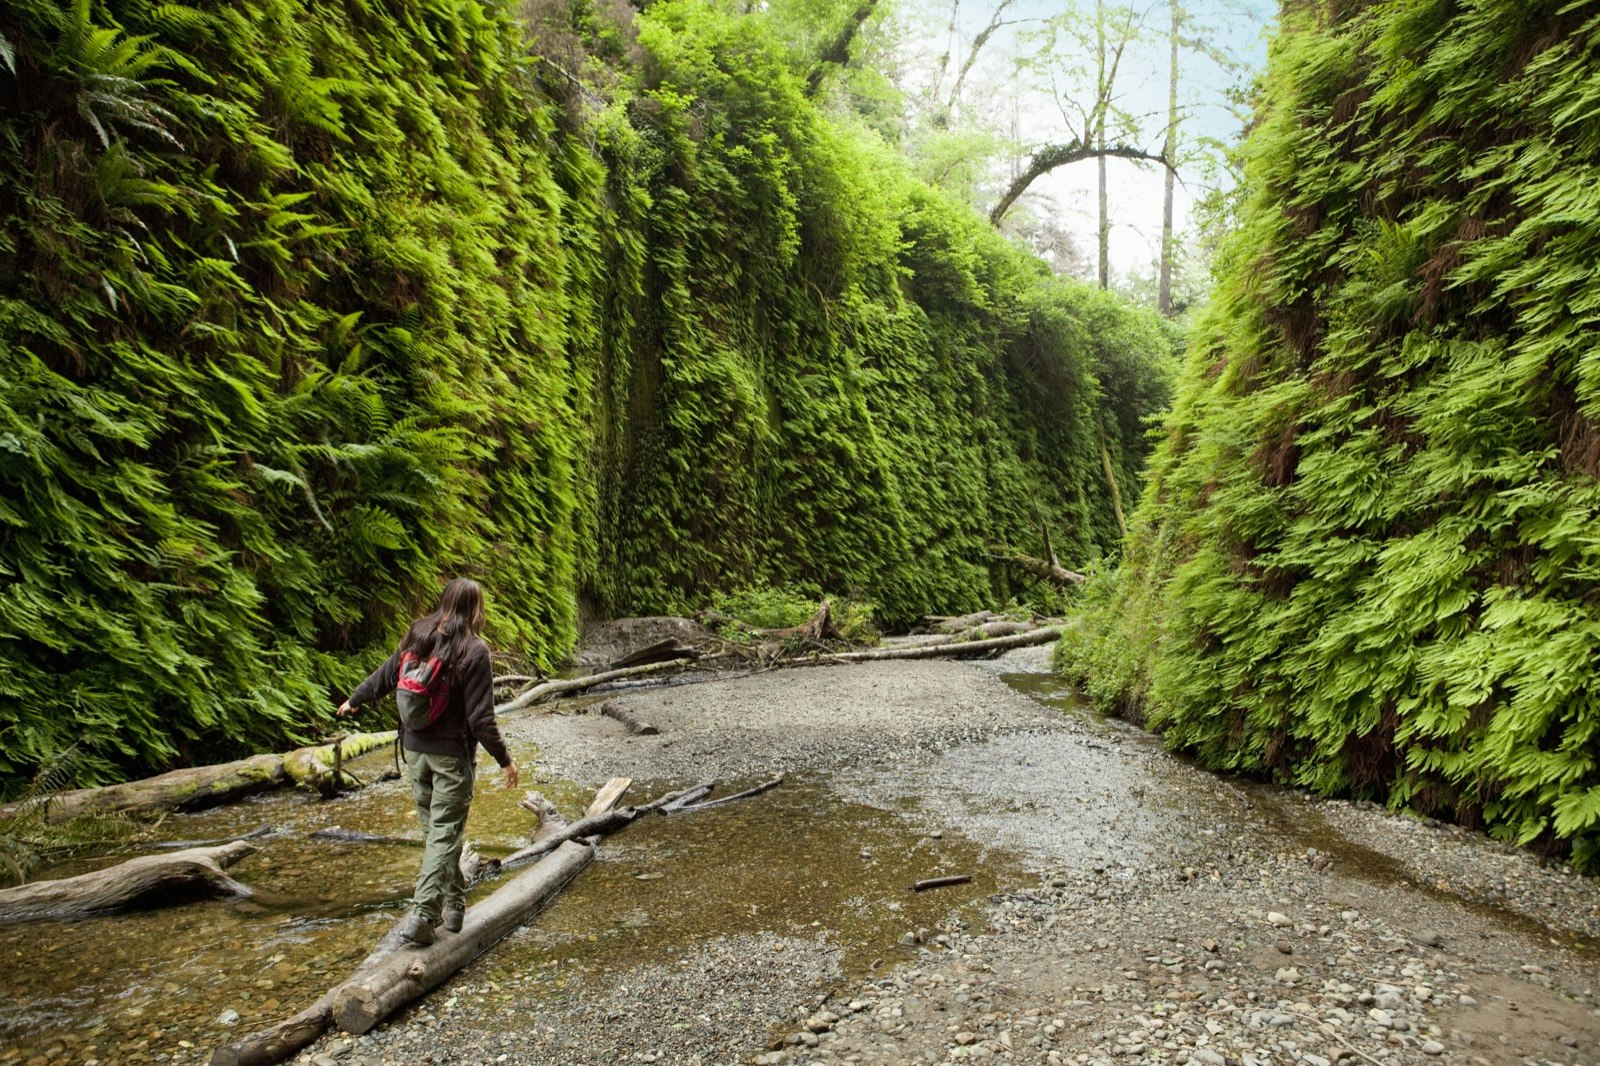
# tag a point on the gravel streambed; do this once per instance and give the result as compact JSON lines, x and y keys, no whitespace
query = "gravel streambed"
{"x":1127,"y":906}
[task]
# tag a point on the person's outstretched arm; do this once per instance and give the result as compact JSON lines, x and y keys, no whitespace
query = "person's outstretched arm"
{"x":378,"y":684}
{"x":476,"y":678}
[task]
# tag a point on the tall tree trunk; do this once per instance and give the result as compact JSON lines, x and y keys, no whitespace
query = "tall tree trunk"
{"x":1164,"y":296}
{"x":1104,"y":106}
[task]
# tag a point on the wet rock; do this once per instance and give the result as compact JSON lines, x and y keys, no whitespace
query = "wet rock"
{"x":1432,"y":1047}
{"x":228,"y":1017}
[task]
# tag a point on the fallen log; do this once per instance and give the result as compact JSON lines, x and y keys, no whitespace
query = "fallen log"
{"x":155,"y":879}
{"x":187,"y":789}
{"x":636,"y":726}
{"x":321,"y":766}
{"x":660,"y":651}
{"x":952,"y":650}
{"x":592,"y":825}
{"x":962,"y":621}
{"x":368,"y":998}
{"x":746,"y":794}
{"x":599,"y":824}
{"x":1040,"y":568}
{"x":999,"y":628}
{"x":197,"y":787}
{"x":282,"y":1041}
{"x":552,"y":689}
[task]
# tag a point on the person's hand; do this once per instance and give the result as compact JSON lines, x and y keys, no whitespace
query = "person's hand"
{"x":344,"y":709}
{"x":509,"y":776}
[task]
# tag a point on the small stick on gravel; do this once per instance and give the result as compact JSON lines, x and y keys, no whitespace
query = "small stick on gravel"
{"x":941,"y":882}
{"x":765,"y":786}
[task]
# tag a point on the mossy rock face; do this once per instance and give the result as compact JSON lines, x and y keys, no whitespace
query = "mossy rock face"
{"x":338,"y":302}
{"x":1365,"y":560}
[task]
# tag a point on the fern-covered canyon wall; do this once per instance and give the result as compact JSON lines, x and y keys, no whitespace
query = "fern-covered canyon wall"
{"x":306,"y":306}
{"x":1366,"y":558}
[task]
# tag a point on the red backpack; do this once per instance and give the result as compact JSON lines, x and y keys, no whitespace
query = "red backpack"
{"x":422,"y":691}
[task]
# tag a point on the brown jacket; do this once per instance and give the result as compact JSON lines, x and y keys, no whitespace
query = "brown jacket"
{"x":468,"y":720}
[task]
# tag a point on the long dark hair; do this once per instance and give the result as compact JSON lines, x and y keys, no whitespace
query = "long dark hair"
{"x":449,"y":631}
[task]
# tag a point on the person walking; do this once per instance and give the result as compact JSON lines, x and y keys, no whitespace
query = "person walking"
{"x":444,"y":684}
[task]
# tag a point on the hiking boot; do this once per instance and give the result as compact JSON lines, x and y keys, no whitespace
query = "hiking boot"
{"x":451,"y":922}
{"x":418,"y":930}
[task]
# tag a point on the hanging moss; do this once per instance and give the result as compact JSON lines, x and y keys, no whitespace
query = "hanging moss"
{"x":305,"y":307}
{"x":1365,"y":560}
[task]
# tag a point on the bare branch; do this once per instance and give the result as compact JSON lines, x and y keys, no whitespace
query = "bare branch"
{"x":1059,"y":155}
{"x":977,"y":46}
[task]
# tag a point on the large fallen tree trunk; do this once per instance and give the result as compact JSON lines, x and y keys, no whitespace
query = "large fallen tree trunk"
{"x":953,"y":650}
{"x":197,"y":787}
{"x":552,"y":689}
{"x":155,"y":879}
{"x":187,"y":789}
{"x":368,"y":998}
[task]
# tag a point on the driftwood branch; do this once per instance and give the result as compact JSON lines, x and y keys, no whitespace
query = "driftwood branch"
{"x":148,"y":879}
{"x":746,"y":794}
{"x":551,"y":689}
{"x":659,"y":652}
{"x":952,"y":650}
{"x":551,"y":820}
{"x":608,"y":796}
{"x":636,"y":726}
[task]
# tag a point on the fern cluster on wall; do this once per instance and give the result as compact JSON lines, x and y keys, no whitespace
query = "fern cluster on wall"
{"x":1366,"y":561}
{"x":304,"y":307}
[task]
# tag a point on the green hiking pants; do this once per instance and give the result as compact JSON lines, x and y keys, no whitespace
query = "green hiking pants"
{"x":441,"y":785}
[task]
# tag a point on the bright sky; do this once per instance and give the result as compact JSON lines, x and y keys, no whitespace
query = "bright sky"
{"x":1022,"y":105}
